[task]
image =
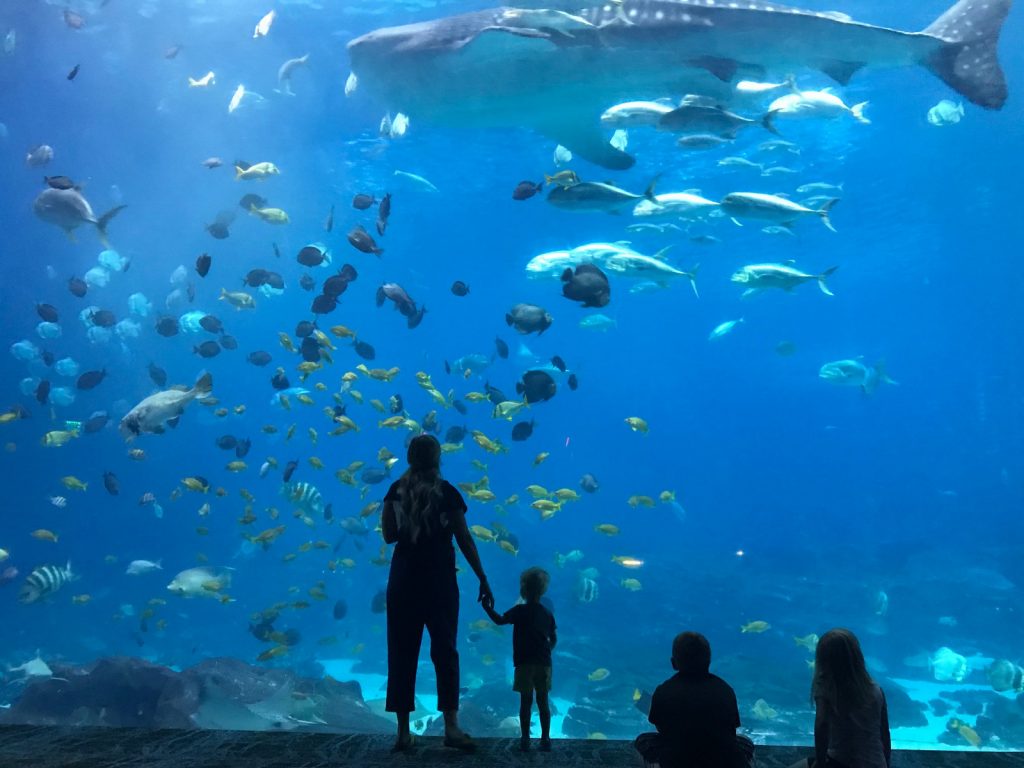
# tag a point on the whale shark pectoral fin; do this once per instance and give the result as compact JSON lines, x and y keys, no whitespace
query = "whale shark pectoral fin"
{"x":841,"y":71}
{"x":723,"y":69}
{"x":587,"y":141}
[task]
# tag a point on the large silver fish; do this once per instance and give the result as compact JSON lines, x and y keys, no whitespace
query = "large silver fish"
{"x":150,"y":415}
{"x":557,"y":72}
{"x":68,"y":209}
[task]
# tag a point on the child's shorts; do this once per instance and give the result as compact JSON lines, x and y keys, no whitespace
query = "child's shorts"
{"x":532,"y":677}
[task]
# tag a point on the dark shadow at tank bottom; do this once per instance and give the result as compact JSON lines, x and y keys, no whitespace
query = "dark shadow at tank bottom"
{"x":96,"y":747}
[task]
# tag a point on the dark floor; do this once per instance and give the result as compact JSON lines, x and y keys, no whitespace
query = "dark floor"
{"x":42,"y":747}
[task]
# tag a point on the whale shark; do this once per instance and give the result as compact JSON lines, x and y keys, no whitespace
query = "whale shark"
{"x":556,"y":72}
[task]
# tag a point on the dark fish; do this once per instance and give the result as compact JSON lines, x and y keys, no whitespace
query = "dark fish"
{"x":379,"y":604}
{"x":311,"y":256}
{"x":172,"y":52}
{"x":383,"y":212}
{"x":74,"y":72}
{"x":340,"y":610}
{"x":455,"y":434}
{"x":416,"y":317}
{"x":255,"y":278}
{"x":167,"y":326}
{"x":207,"y":349}
{"x":494,"y":394}
{"x":502,"y":348}
{"x":310,"y":350}
{"x":111,"y":484}
{"x":226,"y":442}
{"x":307,"y":283}
{"x":275,"y":281}
{"x":211,"y":323}
{"x":77,"y":286}
{"x":47,"y":357}
{"x":460,"y":406}
{"x":59,"y":182}
{"x":528,"y":318}
{"x":365,"y":350}
{"x":218,"y":230}
{"x":362,"y":202}
{"x":337,"y":284}
{"x":304,"y":329}
{"x":522,"y":430}
{"x":242,"y":449}
{"x":95,"y":422}
{"x":447,"y":367}
{"x":43,"y":392}
{"x":104,"y":318}
{"x":259,"y":358}
{"x":589,"y":483}
{"x":588,"y":285}
{"x":362,"y":241}
{"x":373,"y":475}
{"x":323,"y":305}
{"x":573,"y":382}
{"x":157,"y":374}
{"x":279,"y":381}
{"x":329,"y":224}
{"x":559,"y":363}
{"x":328,"y":513}
{"x":48,"y":313}
{"x":526,"y":189}
{"x":785,"y":348}
{"x":203,"y":263}
{"x":459,"y":288}
{"x":289,"y":470}
{"x":91,"y":379}
{"x":536,"y":386}
{"x":250,"y":201}
{"x":228,"y":342}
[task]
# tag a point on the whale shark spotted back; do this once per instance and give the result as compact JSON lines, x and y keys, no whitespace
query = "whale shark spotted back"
{"x":556,"y":72}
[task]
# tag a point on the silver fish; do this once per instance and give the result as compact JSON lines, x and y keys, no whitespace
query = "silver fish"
{"x":150,"y":415}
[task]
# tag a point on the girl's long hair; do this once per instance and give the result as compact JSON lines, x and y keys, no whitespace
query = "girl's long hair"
{"x":840,"y":675}
{"x":420,"y":490}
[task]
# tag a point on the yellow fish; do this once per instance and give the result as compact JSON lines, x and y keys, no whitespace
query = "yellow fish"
{"x":598,"y":675}
{"x":270,"y":215}
{"x":507,"y":409}
{"x":342,"y":332}
{"x":567,"y":494}
{"x":637,"y":424}
{"x":238,"y":299}
{"x":286,"y":341}
{"x":237,"y":466}
{"x":633,"y":585}
{"x":482,"y":495}
{"x":667,"y":496}
{"x":72,"y":483}
{"x":508,"y":546}
{"x":44,"y":535}
{"x":539,"y":458}
{"x":640,"y":501}
{"x":482,"y":533}
{"x":546,"y":505}
{"x":315,"y":462}
{"x":627,"y":562}
{"x":81,"y":599}
{"x":755,"y":627}
{"x":195,"y":484}
{"x":58,"y":438}
{"x":538,"y":491}
{"x":607,"y":529}
{"x":258,"y":172}
{"x":762,"y":711}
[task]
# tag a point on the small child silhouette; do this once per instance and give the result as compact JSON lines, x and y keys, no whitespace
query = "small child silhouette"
{"x":533,"y":637}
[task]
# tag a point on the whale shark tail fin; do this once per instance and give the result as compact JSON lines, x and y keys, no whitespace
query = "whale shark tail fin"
{"x":969,"y":61}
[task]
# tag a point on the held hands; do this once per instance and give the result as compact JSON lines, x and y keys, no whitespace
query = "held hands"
{"x":485,"y":597}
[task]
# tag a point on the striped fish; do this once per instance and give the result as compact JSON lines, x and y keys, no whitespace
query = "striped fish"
{"x":304,"y":496}
{"x":44,"y":581}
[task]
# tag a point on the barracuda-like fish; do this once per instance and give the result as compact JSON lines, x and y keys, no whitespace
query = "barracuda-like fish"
{"x":557,"y":72}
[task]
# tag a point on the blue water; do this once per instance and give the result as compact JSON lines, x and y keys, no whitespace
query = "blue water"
{"x":799,"y":503}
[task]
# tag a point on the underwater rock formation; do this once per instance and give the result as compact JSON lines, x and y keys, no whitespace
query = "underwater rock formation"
{"x":218,"y":693}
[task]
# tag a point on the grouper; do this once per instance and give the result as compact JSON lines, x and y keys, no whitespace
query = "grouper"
{"x":165,"y":407}
{"x":557,"y":72}
{"x":68,"y":209}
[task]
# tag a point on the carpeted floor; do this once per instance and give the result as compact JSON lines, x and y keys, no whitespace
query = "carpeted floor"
{"x":42,"y":747}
